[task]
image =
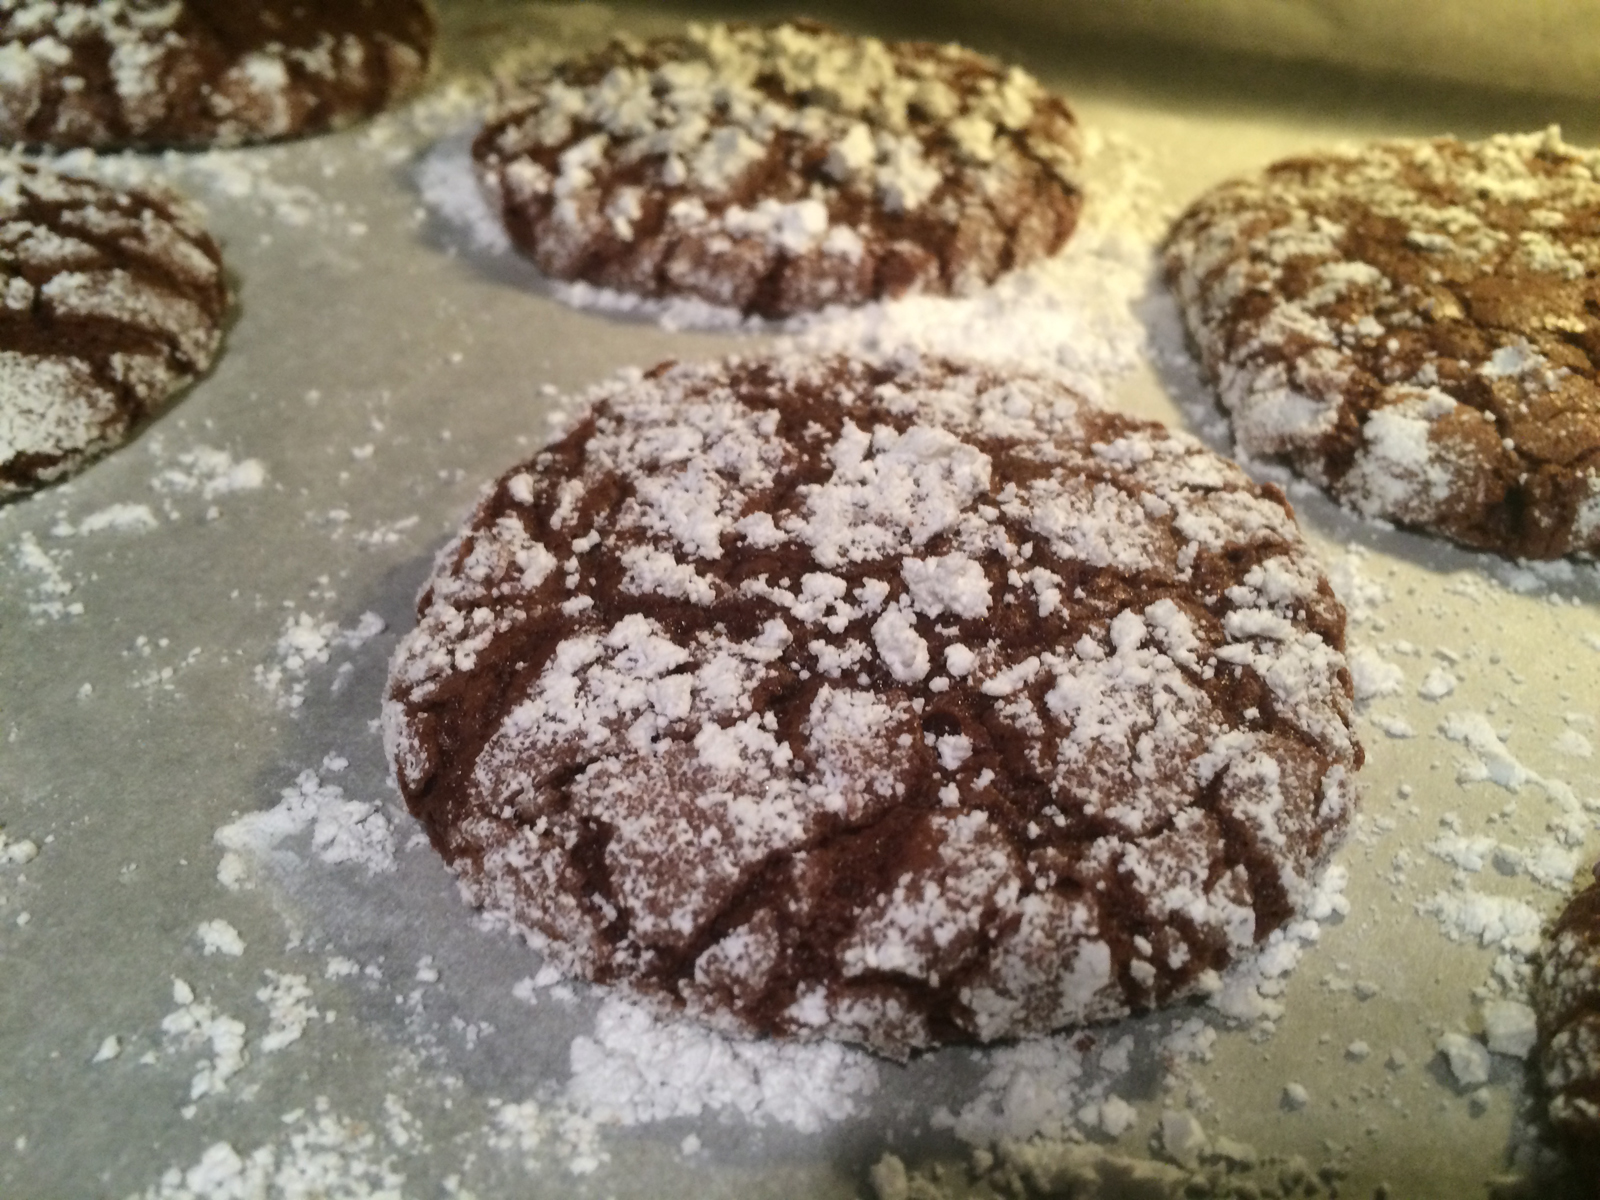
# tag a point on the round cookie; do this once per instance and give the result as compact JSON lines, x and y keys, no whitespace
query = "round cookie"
{"x":132,"y":73}
{"x":1566,"y":997}
{"x":110,"y":301}
{"x":780,"y":170}
{"x":899,"y":703}
{"x":1414,"y":325}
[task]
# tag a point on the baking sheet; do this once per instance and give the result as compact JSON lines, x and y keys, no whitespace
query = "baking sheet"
{"x":184,"y":636}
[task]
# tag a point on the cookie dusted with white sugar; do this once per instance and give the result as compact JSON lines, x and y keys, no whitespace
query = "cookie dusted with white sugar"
{"x":780,"y":170}
{"x":1566,"y":996}
{"x":1414,"y":325}
{"x":155,"y":73}
{"x":899,"y":703}
{"x":112,"y":301}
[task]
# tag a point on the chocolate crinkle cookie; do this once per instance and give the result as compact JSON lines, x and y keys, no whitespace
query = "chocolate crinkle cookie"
{"x":897,"y":702}
{"x":781,"y":170}
{"x":110,"y":301}
{"x":1414,"y":325}
{"x":154,"y":73}
{"x":1566,"y":997}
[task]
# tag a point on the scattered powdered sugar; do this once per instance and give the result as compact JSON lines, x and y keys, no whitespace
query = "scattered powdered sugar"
{"x":342,"y":831}
{"x":219,"y":937}
{"x":523,"y":1129}
{"x":118,"y":518}
{"x":289,"y":1009}
{"x":1437,"y":684}
{"x":1468,"y":1059}
{"x":1500,"y":922}
{"x":1392,"y":725}
{"x":1492,"y":761}
{"x":18,"y":852}
{"x":307,"y":642}
{"x":1360,"y":595}
{"x":47,"y":582}
{"x":196,"y":1025}
{"x":320,"y":1154}
{"x":1374,"y":675}
{"x":1050,"y":1087}
{"x":636,"y":1069}
{"x":207,"y":471}
{"x":109,"y":1048}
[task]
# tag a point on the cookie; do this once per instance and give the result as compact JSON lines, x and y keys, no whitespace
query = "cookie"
{"x":781,"y":170}
{"x":1415,"y":326}
{"x":202,"y":72}
{"x":898,"y":702}
{"x":1566,"y":996}
{"x":111,"y":302}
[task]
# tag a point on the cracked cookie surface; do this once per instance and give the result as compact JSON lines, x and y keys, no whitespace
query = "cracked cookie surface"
{"x":157,"y":73}
{"x":781,"y":170}
{"x":900,"y":702}
{"x":110,"y":301}
{"x":1415,"y":326}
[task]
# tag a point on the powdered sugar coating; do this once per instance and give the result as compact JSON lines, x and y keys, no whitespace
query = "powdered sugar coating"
{"x":780,"y":170}
{"x":110,"y":73}
{"x":1566,"y":996}
{"x":1412,"y":326}
{"x":109,"y":302}
{"x":898,"y":703}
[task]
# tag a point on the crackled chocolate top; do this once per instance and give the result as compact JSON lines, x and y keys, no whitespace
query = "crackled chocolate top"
{"x":1567,"y":999}
{"x":893,"y":702}
{"x":152,"y":73}
{"x":109,"y":302}
{"x":780,"y":170}
{"x":1414,"y":325}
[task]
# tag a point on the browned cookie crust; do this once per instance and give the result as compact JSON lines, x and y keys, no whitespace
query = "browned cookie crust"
{"x":151,"y":73}
{"x":109,"y":302}
{"x":1415,"y":326}
{"x":780,"y":170}
{"x":1566,"y":997}
{"x":900,"y":704}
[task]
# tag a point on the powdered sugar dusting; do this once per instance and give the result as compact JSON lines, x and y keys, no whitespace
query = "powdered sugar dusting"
{"x":912,"y":537}
{"x":318,"y":1154}
{"x":780,"y":169}
{"x":342,"y":831}
{"x":1378,"y":261}
{"x":305,"y":644}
